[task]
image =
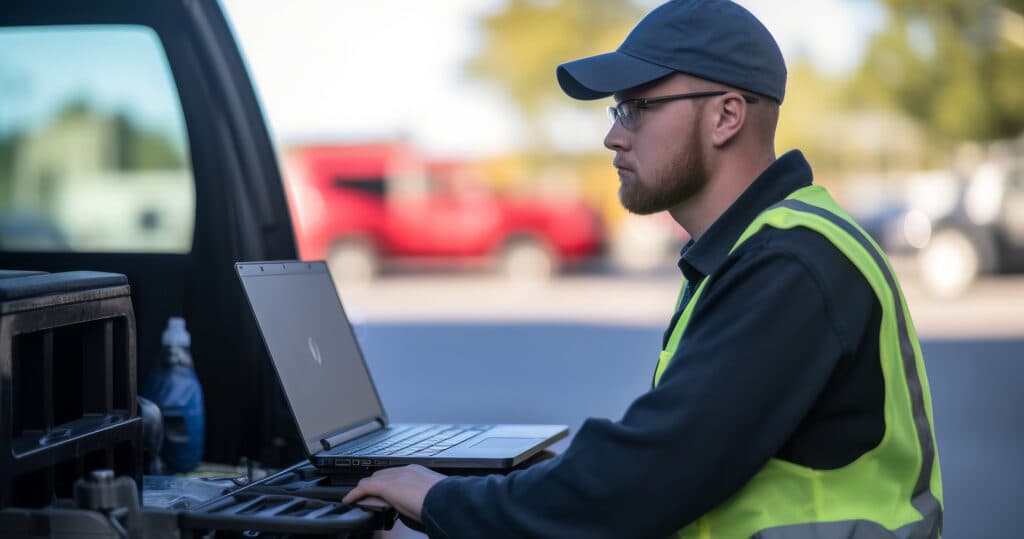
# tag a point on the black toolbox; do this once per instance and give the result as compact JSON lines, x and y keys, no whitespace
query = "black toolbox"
{"x":295,"y":502}
{"x":67,"y":383}
{"x":71,"y":435}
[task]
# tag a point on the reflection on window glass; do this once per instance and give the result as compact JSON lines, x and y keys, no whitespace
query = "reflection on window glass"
{"x":369,"y":186}
{"x":93,"y":150}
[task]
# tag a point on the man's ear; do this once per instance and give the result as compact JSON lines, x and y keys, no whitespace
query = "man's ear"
{"x":730,"y":115}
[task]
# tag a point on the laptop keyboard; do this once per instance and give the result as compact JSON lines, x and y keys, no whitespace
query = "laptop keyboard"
{"x":415,"y":441}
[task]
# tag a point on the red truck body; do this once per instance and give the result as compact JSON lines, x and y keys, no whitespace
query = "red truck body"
{"x":387,"y":198}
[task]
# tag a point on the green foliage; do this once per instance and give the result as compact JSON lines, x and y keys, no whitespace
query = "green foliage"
{"x":133,"y":147}
{"x":8,"y":145}
{"x":527,"y":39}
{"x":811,"y":97}
{"x":149,"y":150}
{"x":138,"y":148}
{"x":954,"y":66}
{"x":940,"y":72}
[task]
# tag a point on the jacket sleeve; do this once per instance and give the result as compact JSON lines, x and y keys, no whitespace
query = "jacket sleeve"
{"x":761,"y":345}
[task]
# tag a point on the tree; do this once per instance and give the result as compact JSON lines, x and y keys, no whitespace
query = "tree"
{"x":528,"y":38}
{"x":954,"y":66}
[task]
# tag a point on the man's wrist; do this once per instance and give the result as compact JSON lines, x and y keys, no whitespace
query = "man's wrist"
{"x":428,"y":516}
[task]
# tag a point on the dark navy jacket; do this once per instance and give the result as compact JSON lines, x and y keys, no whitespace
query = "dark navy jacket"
{"x":780,"y":359}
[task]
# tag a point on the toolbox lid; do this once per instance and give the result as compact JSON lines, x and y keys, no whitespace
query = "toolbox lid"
{"x":7,"y":274}
{"x":44,"y":284}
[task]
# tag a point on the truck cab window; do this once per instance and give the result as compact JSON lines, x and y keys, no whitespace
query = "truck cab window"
{"x":94,"y":155}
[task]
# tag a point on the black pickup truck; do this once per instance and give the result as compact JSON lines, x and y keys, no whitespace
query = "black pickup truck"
{"x":132,"y":142}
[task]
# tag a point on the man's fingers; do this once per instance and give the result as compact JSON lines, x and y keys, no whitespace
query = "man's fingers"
{"x":372,"y":485}
{"x":403,"y":488}
{"x":373,"y":503}
{"x":365,"y":487}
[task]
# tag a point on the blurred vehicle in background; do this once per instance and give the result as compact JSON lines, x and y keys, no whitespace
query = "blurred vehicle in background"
{"x":896,"y":227}
{"x":361,"y":206}
{"x":641,"y":244}
{"x":898,"y":209}
{"x":132,"y":142}
{"x":982,"y":234}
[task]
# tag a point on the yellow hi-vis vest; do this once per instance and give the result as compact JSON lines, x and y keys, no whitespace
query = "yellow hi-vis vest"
{"x":893,"y":490}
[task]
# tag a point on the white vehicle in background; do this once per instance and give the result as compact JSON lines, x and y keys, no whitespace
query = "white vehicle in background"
{"x":143,"y":212}
{"x":982,"y":234}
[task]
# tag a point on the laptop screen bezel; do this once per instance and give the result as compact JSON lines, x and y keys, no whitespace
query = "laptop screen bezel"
{"x":314,"y":443}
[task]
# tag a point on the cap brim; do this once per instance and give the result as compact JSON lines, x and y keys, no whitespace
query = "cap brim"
{"x":600,"y":76}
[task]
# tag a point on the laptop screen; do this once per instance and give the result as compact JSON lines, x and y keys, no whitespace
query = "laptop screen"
{"x":312,"y":346}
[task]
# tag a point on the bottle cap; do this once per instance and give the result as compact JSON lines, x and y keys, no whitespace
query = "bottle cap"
{"x":176,"y":334}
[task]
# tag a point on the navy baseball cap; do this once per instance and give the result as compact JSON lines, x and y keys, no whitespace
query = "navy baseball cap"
{"x":716,"y":40}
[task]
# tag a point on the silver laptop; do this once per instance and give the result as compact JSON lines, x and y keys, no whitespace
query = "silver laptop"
{"x":332,"y":397}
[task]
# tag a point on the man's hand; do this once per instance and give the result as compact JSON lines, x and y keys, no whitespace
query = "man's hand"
{"x":404,"y":488}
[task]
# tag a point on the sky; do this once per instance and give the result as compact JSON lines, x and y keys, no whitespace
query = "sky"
{"x":345,"y":70}
{"x":112,"y":69}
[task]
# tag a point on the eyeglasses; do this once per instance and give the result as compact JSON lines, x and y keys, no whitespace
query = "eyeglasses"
{"x":627,"y":112}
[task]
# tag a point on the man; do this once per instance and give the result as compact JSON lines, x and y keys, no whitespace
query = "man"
{"x":790,"y":398}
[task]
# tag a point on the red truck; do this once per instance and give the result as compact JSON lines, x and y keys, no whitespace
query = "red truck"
{"x":363,"y":205}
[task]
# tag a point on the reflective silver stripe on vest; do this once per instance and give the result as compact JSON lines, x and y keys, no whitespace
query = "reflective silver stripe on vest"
{"x":923,"y":500}
{"x":854,"y":529}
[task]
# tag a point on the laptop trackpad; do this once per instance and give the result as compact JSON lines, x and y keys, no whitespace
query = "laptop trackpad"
{"x":505,"y":442}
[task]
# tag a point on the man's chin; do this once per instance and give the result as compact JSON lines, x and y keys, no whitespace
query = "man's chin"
{"x":638,"y":206}
{"x":641,"y":210}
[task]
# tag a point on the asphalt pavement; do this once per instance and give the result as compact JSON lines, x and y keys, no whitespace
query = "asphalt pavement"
{"x":992,"y":308}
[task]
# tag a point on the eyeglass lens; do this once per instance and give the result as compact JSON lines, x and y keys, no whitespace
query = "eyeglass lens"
{"x":625,"y":113}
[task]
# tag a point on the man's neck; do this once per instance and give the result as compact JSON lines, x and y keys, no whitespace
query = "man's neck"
{"x":699,"y":212}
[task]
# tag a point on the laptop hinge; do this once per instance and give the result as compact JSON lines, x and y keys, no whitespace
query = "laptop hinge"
{"x":341,"y":437}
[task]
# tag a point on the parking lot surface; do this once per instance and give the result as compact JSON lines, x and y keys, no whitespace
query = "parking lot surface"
{"x":992,"y":308}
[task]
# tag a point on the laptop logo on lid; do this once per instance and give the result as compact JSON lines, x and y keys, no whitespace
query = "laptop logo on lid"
{"x":315,"y":350}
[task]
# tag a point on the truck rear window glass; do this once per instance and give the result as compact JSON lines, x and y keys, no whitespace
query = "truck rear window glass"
{"x":94,"y":155}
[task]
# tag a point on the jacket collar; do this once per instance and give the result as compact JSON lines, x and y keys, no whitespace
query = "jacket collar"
{"x":787,"y":174}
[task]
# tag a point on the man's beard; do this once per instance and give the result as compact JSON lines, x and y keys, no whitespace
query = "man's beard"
{"x":683,"y":178}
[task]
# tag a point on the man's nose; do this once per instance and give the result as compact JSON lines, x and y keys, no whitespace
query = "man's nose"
{"x":617,"y":138}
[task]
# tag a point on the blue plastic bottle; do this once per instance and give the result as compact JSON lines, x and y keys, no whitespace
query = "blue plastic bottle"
{"x":175,"y":388}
